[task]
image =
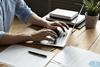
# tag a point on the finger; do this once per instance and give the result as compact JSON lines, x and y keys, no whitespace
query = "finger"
{"x":52,"y":33}
{"x":50,"y":39}
{"x":56,"y":24}
{"x":47,"y":32}
{"x":65,"y":25}
{"x":53,"y":27}
{"x":60,"y":25}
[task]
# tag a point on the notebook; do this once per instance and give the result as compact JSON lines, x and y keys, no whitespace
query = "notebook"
{"x":63,"y":14}
{"x":18,"y":56}
{"x":80,"y":20}
{"x":75,"y":57}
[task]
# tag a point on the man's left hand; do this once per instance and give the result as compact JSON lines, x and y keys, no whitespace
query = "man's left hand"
{"x":55,"y":24}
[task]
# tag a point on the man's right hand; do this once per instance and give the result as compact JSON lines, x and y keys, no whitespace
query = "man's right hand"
{"x":42,"y":35}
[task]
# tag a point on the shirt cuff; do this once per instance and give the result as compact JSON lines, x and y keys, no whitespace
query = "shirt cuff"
{"x":1,"y":34}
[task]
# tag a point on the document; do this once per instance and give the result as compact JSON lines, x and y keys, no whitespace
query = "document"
{"x":76,"y":57}
{"x":22,"y":56}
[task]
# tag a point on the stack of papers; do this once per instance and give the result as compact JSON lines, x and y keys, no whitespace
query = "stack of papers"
{"x":18,"y":56}
{"x":76,"y":57}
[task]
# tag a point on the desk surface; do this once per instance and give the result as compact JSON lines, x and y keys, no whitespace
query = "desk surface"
{"x":88,"y":39}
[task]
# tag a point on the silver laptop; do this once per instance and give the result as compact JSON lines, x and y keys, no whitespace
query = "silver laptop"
{"x":63,"y":38}
{"x":60,"y":41}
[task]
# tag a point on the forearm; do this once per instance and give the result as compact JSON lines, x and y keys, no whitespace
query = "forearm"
{"x":36,"y":20}
{"x":10,"y":38}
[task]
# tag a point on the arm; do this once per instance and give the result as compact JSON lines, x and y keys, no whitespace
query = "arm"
{"x":26,"y":15}
{"x":12,"y":38}
{"x":34,"y":19}
{"x":38,"y":21}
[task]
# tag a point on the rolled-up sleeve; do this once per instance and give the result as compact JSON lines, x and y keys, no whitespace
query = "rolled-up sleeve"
{"x":22,"y":10}
{"x":1,"y":34}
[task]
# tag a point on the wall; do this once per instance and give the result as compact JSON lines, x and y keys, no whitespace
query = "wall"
{"x":42,"y":7}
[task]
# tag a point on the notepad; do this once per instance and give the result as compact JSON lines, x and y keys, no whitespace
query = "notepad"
{"x":18,"y":56}
{"x":76,"y":57}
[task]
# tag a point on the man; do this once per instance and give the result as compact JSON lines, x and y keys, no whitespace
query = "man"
{"x":9,"y":8}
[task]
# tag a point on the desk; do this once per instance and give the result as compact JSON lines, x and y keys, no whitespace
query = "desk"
{"x":86,"y":39}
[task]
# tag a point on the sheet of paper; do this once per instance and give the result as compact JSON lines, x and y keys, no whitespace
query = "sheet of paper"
{"x":51,"y":64}
{"x":76,"y":57}
{"x":18,"y":56}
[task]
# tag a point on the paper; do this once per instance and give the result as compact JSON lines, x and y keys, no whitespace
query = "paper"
{"x":18,"y":56}
{"x":76,"y":57}
{"x":51,"y":64}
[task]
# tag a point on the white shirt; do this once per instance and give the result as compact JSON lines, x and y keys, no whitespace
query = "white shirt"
{"x":10,"y":8}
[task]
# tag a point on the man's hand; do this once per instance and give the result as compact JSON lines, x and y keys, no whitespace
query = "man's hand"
{"x":38,"y":21}
{"x":42,"y":35}
{"x":55,"y":24}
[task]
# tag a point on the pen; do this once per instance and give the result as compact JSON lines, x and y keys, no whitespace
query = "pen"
{"x":37,"y":54}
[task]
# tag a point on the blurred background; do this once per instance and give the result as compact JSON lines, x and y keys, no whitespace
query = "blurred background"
{"x":43,"y":7}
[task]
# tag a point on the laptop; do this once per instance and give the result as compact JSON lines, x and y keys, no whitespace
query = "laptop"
{"x":63,"y":37}
{"x":60,"y":41}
